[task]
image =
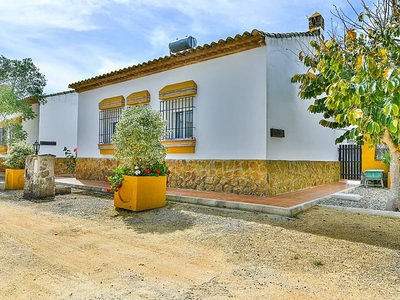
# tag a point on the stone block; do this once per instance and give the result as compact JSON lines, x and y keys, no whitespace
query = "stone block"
{"x":39,"y":180}
{"x":62,"y":190}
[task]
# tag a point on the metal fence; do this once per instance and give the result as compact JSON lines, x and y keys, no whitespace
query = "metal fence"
{"x":350,"y":162}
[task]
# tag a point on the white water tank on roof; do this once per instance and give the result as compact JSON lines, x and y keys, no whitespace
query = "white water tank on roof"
{"x":182,"y":44}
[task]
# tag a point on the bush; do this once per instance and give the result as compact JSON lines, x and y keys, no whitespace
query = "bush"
{"x":17,"y":154}
{"x":138,"y":147}
{"x":137,"y":138}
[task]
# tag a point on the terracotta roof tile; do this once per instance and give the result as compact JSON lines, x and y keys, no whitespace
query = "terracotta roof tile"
{"x":243,"y":42}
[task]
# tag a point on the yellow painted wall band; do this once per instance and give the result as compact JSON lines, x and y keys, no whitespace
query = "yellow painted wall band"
{"x":113,"y":102}
{"x":178,"y":90}
{"x":180,"y":146}
{"x":3,"y":149}
{"x":106,"y":149}
{"x":138,"y":98}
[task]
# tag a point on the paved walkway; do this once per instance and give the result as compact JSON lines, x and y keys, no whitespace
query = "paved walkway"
{"x":289,"y":204}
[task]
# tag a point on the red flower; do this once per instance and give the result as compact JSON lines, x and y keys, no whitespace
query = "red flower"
{"x":108,"y":190}
{"x":106,"y":179}
{"x":119,"y":186}
{"x":75,"y":149}
{"x":169,"y":172}
{"x":147,"y":171}
{"x":158,"y":171}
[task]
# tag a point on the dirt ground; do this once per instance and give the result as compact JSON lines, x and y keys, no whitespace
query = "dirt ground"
{"x":80,"y":247}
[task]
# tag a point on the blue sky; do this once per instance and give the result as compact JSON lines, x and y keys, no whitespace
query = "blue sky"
{"x":72,"y":40}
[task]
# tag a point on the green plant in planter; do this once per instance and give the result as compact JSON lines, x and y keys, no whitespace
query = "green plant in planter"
{"x":137,"y":143}
{"x":70,"y":161}
{"x":17,"y":154}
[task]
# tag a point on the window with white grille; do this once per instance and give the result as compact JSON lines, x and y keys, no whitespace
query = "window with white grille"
{"x":179,"y":116}
{"x":108,"y":119}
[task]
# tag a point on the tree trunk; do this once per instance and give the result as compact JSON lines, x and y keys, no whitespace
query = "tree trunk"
{"x":394,"y":200}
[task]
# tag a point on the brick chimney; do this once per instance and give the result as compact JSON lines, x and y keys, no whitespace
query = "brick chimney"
{"x":316,"y":21}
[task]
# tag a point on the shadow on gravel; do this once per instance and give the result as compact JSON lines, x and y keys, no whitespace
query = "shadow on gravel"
{"x":374,"y":230}
{"x":163,"y":220}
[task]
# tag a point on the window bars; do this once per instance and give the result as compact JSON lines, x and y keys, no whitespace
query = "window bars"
{"x":108,"y":119}
{"x":179,"y":116}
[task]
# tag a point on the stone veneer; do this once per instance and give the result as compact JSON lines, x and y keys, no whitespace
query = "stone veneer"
{"x":94,"y":168}
{"x":247,"y":177}
{"x":39,"y":180}
{"x":59,"y":165}
{"x":251,"y":177}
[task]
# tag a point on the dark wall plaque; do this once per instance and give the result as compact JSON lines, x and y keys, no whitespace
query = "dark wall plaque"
{"x":48,"y":143}
{"x":279,"y":133}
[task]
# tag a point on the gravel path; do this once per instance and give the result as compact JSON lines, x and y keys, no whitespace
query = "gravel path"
{"x":79,"y":247}
{"x":372,"y":198}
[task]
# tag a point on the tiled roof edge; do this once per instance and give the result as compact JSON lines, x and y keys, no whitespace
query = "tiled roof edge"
{"x":59,"y":93}
{"x":231,"y":45}
{"x":292,"y":34}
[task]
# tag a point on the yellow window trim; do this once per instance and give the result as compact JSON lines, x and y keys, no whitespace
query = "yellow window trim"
{"x":112,"y":102}
{"x":178,"y":90}
{"x":3,"y":149}
{"x":14,"y":119}
{"x":106,"y":149}
{"x":180,"y":146}
{"x":138,"y":98}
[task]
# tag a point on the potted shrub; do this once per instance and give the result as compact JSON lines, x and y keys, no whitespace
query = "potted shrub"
{"x":15,"y":163}
{"x":139,"y":182}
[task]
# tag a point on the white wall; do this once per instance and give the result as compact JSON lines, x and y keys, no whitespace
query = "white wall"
{"x":58,"y":123}
{"x":304,"y":138}
{"x":240,"y":97}
{"x":32,"y":126}
{"x":230,"y":113}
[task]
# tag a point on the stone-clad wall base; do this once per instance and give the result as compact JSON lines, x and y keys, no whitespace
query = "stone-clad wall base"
{"x":60,"y":167}
{"x":251,"y":177}
{"x":94,"y":168}
{"x":247,"y":177}
{"x":289,"y":176}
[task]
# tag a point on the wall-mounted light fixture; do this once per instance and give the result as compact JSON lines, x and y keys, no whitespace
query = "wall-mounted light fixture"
{"x":36,"y":147}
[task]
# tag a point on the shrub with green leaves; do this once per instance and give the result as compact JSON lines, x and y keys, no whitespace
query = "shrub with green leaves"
{"x":137,"y":143}
{"x":137,"y":138}
{"x":17,"y":154}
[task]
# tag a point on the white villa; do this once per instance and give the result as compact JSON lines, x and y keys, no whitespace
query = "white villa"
{"x":237,"y":124}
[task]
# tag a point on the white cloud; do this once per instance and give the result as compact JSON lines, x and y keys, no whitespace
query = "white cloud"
{"x":78,"y":39}
{"x":74,"y":14}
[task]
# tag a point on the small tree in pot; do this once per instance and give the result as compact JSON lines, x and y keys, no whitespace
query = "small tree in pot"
{"x":15,"y":162}
{"x":140,"y":180}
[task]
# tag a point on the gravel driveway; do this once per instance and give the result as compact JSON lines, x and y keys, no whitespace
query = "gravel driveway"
{"x":79,"y":247}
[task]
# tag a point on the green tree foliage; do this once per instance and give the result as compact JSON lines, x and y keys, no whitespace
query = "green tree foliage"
{"x":23,"y":77}
{"x":20,"y":81}
{"x":354,"y":81}
{"x":137,"y":138}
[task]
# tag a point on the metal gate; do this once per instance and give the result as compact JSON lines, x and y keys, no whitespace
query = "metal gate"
{"x":350,"y":162}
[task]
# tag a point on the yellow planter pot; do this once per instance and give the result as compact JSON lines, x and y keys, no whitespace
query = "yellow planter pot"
{"x":14,"y":179}
{"x":141,"y":193}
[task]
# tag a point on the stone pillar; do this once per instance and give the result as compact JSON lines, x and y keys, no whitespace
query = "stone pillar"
{"x":39,"y":177}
